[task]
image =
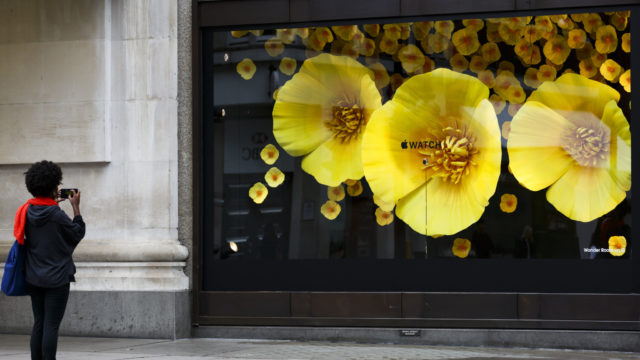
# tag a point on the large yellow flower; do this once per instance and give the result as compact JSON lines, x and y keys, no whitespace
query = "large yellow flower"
{"x":452,"y":160}
{"x":572,"y":137}
{"x":322,"y":112}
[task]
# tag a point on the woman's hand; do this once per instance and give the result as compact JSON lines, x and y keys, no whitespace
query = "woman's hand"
{"x":74,"y":199}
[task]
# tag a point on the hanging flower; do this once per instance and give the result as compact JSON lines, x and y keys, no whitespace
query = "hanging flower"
{"x":441,"y":107}
{"x":286,"y":35}
{"x":587,"y":68}
{"x":557,"y":50}
{"x":392,"y":31}
{"x":534,"y":58}
{"x":620,"y":22}
{"x":372,"y":29}
{"x":349,"y":50}
{"x":506,"y":129}
{"x":335,"y":193}
{"x":591,"y":22}
{"x":617,"y":245}
{"x":606,"y":39}
{"x":274,"y":177}
{"x":358,"y":38}
{"x":269,"y":154}
{"x":411,"y":57}
{"x":508,"y":203}
{"x":625,"y":80}
{"x":515,"y":94}
{"x":322,"y":112}
{"x":466,"y":41}
{"x":487,"y":78}
{"x":246,"y":68}
{"x":459,"y":63}
{"x":274,"y":46}
{"x":504,"y":81}
{"x":288,"y":66}
{"x":585,"y":52}
{"x":421,"y":29}
{"x":324,"y":34}
{"x":330,"y":209}
{"x":598,"y":59}
{"x":385,"y":206}
{"x":303,"y":33}
{"x":388,"y":45}
{"x":490,"y":52}
{"x":380,"y":75}
{"x":523,"y":48}
{"x":577,"y":38}
{"x":473,"y":24}
{"x":610,"y":70}
{"x":508,"y":34}
{"x":531,"y":78}
{"x":428,"y":66}
{"x":566,"y":24}
{"x":435,"y":43}
{"x":572,"y":137}
{"x":258,"y":192}
{"x":444,"y":27}
{"x":625,"y":43}
{"x":461,"y":247}
{"x":546,"y":73}
{"x":498,"y":103}
{"x":354,"y":189}
{"x":493,"y":33}
{"x":345,"y":32}
{"x":531,"y":34}
{"x":367,"y":48}
{"x":316,"y":42}
{"x":477,"y":64}
{"x":383,"y":218}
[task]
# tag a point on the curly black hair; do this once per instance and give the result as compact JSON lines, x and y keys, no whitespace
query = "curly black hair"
{"x":43,"y":178}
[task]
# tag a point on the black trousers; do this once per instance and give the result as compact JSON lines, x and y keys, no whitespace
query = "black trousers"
{"x":48,"y":309}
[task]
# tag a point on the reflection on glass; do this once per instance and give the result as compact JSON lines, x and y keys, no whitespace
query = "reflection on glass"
{"x":478,"y":138}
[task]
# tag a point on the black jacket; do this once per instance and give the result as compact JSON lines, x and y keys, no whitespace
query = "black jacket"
{"x":50,"y":238}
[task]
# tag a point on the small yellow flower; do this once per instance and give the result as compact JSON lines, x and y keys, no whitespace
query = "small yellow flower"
{"x":421,"y":29}
{"x":466,"y":41}
{"x":459,"y":63}
{"x":531,"y":33}
{"x":508,"y":203}
{"x":506,"y":129}
{"x":606,"y":39}
{"x":493,"y":33}
{"x":316,"y":42}
{"x":246,"y":68}
{"x":435,"y":43}
{"x":392,"y":31}
{"x":587,"y":68}
{"x":620,"y":22}
{"x":598,"y":58}
{"x":461,"y":247}
{"x":330,"y":209}
{"x":288,"y":66}
{"x":411,"y":57}
{"x":558,"y":18}
{"x":355,"y":189}
{"x":557,"y":50}
{"x":380,"y":75}
{"x":487,"y":78}
{"x":429,"y":65}
{"x":576,"y":39}
{"x":372,"y":29}
{"x":490,"y":52}
{"x":610,"y":70}
{"x":547,"y":73}
{"x":383,"y":218}
{"x":516,"y":94}
{"x":504,"y":81}
{"x":508,"y":34}
{"x":286,"y":35}
{"x":477,"y":64}
{"x":625,"y":43}
{"x":513,"y":109}
{"x":358,"y":38}
{"x":506,"y":65}
{"x":444,"y":27}
{"x":625,"y":80}
{"x":617,"y":245}
{"x":523,"y":48}
{"x":566,"y":24}
{"x":274,"y":177}
{"x":388,"y":45}
{"x":531,"y":78}
{"x":349,"y":50}
{"x":534,"y":58}
{"x":367,"y":48}
{"x":591,"y":22}
{"x":498,"y":103}
{"x":473,"y":24}
{"x":335,"y":193}
{"x":269,"y":154}
{"x":239,"y":33}
{"x":585,"y":52}
{"x":274,"y":46}
{"x":550,"y":34}
{"x":303,"y":33}
{"x":258,"y":192}
{"x":345,"y":32}
{"x":577,"y":17}
{"x":517,"y":22}
{"x":324,"y":34}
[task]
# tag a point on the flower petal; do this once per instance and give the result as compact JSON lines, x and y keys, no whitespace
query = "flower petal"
{"x":620,"y":150}
{"x":333,"y":162}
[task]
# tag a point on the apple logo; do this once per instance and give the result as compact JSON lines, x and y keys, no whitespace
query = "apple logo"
{"x":403,"y":144}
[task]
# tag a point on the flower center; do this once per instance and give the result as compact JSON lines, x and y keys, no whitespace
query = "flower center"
{"x":347,"y":120}
{"x":452,"y":159}
{"x":587,"y":144}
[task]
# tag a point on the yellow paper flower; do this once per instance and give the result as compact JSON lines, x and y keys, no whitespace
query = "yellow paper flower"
{"x":557,"y":50}
{"x":587,"y":68}
{"x":367,"y":48}
{"x":388,"y":45}
{"x":322,"y":112}
{"x":493,"y":33}
{"x":440,"y":107}
{"x":508,"y":203}
{"x":625,"y":43}
{"x":531,"y":78}
{"x":523,"y":48}
{"x":303,"y":33}
{"x":490,"y":52}
{"x":258,"y":192}
{"x":508,"y":34}
{"x":435,"y":43}
{"x":345,"y":32}
{"x":392,"y":31}
{"x":617,"y":245}
{"x":380,"y":75}
{"x":372,"y":29}
{"x":550,"y":34}
{"x":591,"y":22}
{"x":504,"y":81}
{"x":385,"y":206}
{"x":428,"y":66}
{"x":324,"y":34}
{"x":459,"y":63}
{"x":534,"y":58}
{"x":619,"y":21}
{"x":516,"y":94}
{"x":598,"y":59}
{"x":358,"y":38}
{"x":274,"y":46}
{"x":625,"y":80}
{"x":473,"y":24}
{"x":316,"y":42}
{"x":531,"y":34}
{"x":506,"y":129}
{"x":566,"y":24}
{"x":274,"y":177}
{"x":330,"y":209}
{"x":477,"y":64}
{"x":466,"y":41}
{"x":610,"y":70}
{"x":498,"y":103}
{"x":286,"y":35}
{"x":355,"y":189}
{"x":383,"y":217}
{"x":577,"y":38}
{"x":246,"y":68}
{"x":335,"y":193}
{"x":461,"y":247}
{"x":558,"y":18}
{"x":585,"y":52}
{"x":349,"y":50}
{"x":288,"y":66}
{"x":572,"y":137}
{"x":577,"y":17}
{"x":487,"y":78}
{"x":421,"y":29}
{"x":444,"y":27}
{"x":269,"y":154}
{"x":606,"y":39}
{"x":546,"y":73}
{"x":411,"y":57}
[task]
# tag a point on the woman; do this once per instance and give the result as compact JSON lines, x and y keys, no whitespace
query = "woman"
{"x":50,"y":238}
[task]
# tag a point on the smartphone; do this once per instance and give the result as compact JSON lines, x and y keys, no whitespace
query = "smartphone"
{"x":64,"y":193}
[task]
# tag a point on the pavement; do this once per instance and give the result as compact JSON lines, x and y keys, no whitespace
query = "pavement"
{"x":76,"y":348}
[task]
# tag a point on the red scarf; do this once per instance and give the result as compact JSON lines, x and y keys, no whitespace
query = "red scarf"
{"x":21,"y":216}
